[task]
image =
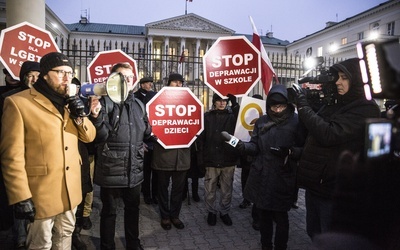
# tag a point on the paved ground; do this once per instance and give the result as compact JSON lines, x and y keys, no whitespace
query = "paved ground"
{"x":196,"y":234}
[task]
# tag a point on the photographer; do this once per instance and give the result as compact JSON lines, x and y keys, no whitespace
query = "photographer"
{"x":332,"y":130}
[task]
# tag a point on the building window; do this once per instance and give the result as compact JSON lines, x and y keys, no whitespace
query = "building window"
{"x":91,"y":50}
{"x":390,"y":29}
{"x":344,"y":40}
{"x":375,"y":26}
{"x":74,"y":49}
{"x":142,"y":52}
{"x":157,"y":54}
{"x":320,"y":50}
{"x":360,"y":36}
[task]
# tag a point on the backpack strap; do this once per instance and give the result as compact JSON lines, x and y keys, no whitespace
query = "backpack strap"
{"x":141,"y":104}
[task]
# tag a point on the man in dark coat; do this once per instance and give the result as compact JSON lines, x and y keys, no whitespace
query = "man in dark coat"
{"x":171,"y":166}
{"x":149,"y":185}
{"x":121,"y":129}
{"x":218,"y":158}
{"x":276,"y":145}
{"x":334,"y":129}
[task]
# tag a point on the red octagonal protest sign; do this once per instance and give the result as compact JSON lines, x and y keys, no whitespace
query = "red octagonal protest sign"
{"x":100,"y":67}
{"x":24,"y":42}
{"x":176,"y":117}
{"x":232,"y":66}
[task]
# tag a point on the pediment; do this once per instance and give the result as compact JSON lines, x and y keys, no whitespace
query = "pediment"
{"x":190,"y":22}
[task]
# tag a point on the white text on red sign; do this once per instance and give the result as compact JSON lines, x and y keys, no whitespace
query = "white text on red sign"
{"x":25,"y":55}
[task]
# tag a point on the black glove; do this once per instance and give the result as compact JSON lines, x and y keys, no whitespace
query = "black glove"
{"x":76,"y":107}
{"x":300,"y":97}
{"x":233,"y":99}
{"x":25,"y":210}
{"x":280,"y":151}
{"x":236,"y":143}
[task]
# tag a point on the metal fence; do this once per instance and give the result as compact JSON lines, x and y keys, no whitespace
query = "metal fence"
{"x":160,"y":61}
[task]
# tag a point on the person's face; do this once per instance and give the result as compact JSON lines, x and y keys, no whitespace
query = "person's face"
{"x":175,"y":83}
{"x":277,"y":108}
{"x":128,"y":74}
{"x":31,"y":78}
{"x":220,"y":104}
{"x":342,"y":84}
{"x":59,"y":81}
{"x":147,"y":86}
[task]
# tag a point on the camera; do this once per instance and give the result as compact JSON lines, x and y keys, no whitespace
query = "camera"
{"x":379,"y":64}
{"x":320,"y":90}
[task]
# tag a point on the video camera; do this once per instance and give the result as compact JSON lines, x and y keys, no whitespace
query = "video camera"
{"x":380,"y":69}
{"x":319,"y":90}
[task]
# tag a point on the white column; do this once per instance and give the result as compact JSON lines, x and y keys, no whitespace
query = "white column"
{"x":181,"y":66}
{"x":32,"y":11}
{"x":196,"y":69}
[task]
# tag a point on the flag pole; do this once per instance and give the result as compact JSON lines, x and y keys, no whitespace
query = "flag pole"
{"x":186,"y":7}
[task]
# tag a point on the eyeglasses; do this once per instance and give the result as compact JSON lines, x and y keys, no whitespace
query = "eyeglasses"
{"x":62,"y":73}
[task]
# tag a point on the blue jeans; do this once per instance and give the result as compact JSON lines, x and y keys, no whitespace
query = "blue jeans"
{"x":225,"y":177}
{"x":319,"y":214}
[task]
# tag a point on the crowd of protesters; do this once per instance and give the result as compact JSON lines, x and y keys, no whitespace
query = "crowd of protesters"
{"x":50,"y":138}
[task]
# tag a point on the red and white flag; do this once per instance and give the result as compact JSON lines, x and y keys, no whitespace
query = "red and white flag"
{"x":267,"y":71}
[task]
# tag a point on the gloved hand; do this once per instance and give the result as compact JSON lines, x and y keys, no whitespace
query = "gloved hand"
{"x":280,"y":151}
{"x":153,"y":138}
{"x":76,"y":107}
{"x":25,"y":210}
{"x":300,"y":97}
{"x":232,"y":99}
{"x":233,"y":141}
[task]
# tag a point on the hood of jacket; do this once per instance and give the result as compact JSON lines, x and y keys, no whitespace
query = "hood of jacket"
{"x":351,"y":68}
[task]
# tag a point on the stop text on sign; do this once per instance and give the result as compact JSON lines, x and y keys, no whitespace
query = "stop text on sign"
{"x":240,"y":75}
{"x":232,"y":66}
{"x":169,"y":112}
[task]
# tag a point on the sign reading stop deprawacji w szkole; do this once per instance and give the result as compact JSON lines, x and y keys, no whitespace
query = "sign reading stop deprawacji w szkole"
{"x":24,"y":42}
{"x":232,"y":66}
{"x":176,"y":117}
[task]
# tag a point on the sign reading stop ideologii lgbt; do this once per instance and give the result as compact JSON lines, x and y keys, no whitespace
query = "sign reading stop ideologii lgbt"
{"x":232,"y":66}
{"x":24,"y":42}
{"x":176,"y":117}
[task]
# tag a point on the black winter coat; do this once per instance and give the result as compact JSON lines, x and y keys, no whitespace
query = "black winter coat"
{"x":271,"y":183}
{"x":119,"y":144}
{"x":213,"y":150}
{"x":335,"y":129}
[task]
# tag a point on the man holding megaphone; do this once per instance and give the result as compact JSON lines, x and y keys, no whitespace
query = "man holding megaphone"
{"x":121,"y":128}
{"x":39,"y":154}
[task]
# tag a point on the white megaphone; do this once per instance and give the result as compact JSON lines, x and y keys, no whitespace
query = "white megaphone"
{"x":115,"y":87}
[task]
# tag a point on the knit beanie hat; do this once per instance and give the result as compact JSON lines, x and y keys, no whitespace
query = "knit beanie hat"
{"x":175,"y":77}
{"x":52,"y":60}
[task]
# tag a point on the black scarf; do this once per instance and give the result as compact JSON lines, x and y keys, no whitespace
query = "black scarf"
{"x":277,"y":118}
{"x":59,"y":101}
